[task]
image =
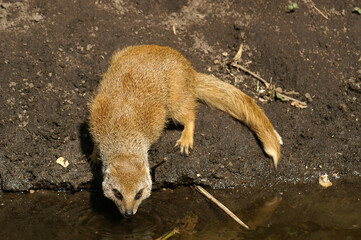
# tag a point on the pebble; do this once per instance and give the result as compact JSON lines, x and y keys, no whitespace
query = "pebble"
{"x":309,"y":98}
{"x":342,"y":107}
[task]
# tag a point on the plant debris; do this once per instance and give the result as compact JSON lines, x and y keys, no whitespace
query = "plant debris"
{"x":62,"y":162}
{"x":324,"y":181}
{"x":272,"y":89}
{"x":220,"y":205}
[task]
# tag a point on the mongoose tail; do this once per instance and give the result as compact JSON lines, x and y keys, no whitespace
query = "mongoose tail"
{"x":230,"y":99}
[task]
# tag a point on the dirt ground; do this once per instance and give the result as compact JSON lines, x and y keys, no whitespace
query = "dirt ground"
{"x":53,"y":54}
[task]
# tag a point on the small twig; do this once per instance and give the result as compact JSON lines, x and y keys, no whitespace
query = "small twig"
{"x":251,"y":73}
{"x":268,"y":85}
{"x":319,"y":11}
{"x":291,"y":92}
{"x":172,"y":233}
{"x":287,"y":98}
{"x":312,"y":4}
{"x":158,"y":164}
{"x":220,"y":205}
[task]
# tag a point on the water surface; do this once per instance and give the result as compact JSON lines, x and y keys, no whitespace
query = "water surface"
{"x":292,"y":212}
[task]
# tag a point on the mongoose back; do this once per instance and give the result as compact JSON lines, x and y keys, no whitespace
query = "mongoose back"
{"x":143,"y":87}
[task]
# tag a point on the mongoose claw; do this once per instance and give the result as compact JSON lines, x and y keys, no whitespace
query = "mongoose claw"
{"x":184,"y":146}
{"x":93,"y":159}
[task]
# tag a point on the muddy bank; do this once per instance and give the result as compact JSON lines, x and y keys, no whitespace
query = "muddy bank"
{"x":53,"y":55}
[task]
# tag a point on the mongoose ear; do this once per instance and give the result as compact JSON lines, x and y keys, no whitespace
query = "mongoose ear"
{"x":106,"y":169}
{"x":141,"y":165}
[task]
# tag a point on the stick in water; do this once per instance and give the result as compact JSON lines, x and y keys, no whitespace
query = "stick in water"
{"x":220,"y":205}
{"x":172,"y":233}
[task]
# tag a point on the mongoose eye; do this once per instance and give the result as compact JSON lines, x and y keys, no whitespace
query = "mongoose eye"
{"x":117,"y":194}
{"x":139,"y":194}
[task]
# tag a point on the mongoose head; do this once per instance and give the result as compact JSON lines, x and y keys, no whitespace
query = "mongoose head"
{"x":127,"y":182}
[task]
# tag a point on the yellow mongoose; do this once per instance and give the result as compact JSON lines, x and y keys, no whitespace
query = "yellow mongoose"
{"x":143,"y":88}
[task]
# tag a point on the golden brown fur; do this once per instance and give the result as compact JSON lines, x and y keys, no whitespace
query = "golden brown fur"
{"x":143,"y":88}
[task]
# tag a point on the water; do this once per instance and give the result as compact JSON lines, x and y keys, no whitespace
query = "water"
{"x":291,"y":212}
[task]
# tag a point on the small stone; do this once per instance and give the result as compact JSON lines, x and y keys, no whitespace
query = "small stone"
{"x":37,"y":17}
{"x":237,"y":25}
{"x":32,"y":191}
{"x":5,"y":5}
{"x":342,"y":107}
{"x":89,"y":47}
{"x":309,"y":98}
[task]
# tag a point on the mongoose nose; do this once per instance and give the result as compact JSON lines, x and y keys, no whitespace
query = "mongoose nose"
{"x":128,"y":213}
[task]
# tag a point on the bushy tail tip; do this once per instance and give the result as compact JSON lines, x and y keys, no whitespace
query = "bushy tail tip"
{"x":274,"y":154}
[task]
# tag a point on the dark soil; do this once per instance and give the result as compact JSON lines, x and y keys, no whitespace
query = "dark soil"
{"x":53,"y":53}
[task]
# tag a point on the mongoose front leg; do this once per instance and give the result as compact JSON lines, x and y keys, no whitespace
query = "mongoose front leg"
{"x":186,"y":140}
{"x":186,"y":116}
{"x":94,"y":157}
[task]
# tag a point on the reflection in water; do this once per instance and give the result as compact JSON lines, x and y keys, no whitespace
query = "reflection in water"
{"x":186,"y":226}
{"x":301,"y":213}
{"x":261,"y":211}
{"x":258,"y":212}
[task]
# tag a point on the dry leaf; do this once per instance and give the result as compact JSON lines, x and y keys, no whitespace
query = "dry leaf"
{"x":62,"y":162}
{"x":324,"y":181}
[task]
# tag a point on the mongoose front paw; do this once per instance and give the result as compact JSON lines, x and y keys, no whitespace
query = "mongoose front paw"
{"x":94,"y":158}
{"x":185,"y":145}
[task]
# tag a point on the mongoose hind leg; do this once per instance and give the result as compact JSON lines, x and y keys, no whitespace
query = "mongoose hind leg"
{"x":186,"y":140}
